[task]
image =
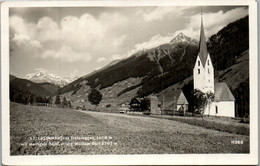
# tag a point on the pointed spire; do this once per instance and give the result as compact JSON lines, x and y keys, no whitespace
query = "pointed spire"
{"x":203,"y":52}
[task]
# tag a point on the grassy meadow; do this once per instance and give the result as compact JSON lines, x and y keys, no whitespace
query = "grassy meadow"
{"x":38,"y":130}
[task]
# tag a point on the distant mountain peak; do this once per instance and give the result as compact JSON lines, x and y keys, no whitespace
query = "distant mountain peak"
{"x":44,"y":76}
{"x":181,"y":38}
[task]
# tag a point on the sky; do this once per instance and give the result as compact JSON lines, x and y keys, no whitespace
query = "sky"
{"x":74,"y":41}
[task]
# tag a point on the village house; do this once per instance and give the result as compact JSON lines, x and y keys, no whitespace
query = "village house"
{"x":173,"y":102}
{"x":203,"y":77}
{"x":135,"y":104}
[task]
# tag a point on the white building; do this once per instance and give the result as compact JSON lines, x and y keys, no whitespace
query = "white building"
{"x":203,"y":76}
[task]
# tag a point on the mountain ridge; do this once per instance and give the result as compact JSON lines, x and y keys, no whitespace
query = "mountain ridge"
{"x":181,"y":38}
{"x":45,"y":77}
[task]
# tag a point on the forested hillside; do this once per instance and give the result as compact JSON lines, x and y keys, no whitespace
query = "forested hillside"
{"x":24,"y":91}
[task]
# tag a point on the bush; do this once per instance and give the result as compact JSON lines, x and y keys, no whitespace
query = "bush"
{"x":94,"y":97}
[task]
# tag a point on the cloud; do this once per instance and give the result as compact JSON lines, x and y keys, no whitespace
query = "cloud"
{"x":151,"y":43}
{"x":160,"y":13}
{"x":27,"y":29}
{"x":47,"y":30}
{"x":22,"y":40}
{"x":117,"y":56}
{"x":213,"y":22}
{"x":117,"y":42}
{"x":99,"y":67}
{"x":99,"y":60}
{"x":154,"y":41}
{"x":90,"y":33}
{"x":40,"y":69}
{"x":67,"y":54}
{"x":74,"y":73}
{"x":72,"y":39}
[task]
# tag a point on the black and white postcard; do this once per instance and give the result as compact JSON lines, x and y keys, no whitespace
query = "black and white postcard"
{"x":129,"y":82}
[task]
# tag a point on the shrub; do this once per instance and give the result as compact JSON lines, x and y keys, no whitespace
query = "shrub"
{"x":94,"y":97}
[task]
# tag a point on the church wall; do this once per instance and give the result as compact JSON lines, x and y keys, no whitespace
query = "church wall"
{"x":209,"y":76}
{"x":204,"y":80}
{"x":198,"y":77}
{"x":221,"y":108}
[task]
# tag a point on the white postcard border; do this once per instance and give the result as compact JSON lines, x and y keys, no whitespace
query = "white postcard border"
{"x":216,"y":159}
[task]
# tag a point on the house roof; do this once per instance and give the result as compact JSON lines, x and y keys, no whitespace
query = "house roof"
{"x":222,"y":92}
{"x":203,"y":52}
{"x":172,"y":98}
{"x":182,"y":99}
{"x":135,"y":100}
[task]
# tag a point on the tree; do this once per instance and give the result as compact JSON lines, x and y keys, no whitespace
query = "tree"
{"x":39,"y":99}
{"x":199,"y":101}
{"x":94,"y":97}
{"x":145,"y":104}
{"x":57,"y":99}
{"x":34,"y":102}
{"x":29,"y":99}
{"x":50,"y":100}
{"x":209,"y":99}
{"x":69,"y":104}
{"x":64,"y":102}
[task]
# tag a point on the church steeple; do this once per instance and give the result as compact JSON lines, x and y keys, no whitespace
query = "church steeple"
{"x":203,"y":52}
{"x":203,"y":71}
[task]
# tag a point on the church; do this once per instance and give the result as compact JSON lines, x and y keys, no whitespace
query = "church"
{"x":203,"y":77}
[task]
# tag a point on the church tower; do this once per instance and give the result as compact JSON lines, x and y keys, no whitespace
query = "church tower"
{"x":203,"y":71}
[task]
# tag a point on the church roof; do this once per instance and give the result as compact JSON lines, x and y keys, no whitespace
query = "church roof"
{"x":203,"y":52}
{"x":222,"y":92}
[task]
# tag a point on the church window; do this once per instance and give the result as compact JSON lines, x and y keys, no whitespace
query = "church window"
{"x":216,"y":109}
{"x":208,"y":71}
{"x":208,"y":62}
{"x":209,"y":80}
{"x":198,"y":71}
{"x":198,"y":63}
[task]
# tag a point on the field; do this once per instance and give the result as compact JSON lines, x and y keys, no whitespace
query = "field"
{"x":44,"y":130}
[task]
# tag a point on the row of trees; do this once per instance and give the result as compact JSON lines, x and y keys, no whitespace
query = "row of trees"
{"x":64,"y":103}
{"x":29,"y":98}
{"x":94,"y":98}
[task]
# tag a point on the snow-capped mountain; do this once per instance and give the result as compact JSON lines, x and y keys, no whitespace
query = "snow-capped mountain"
{"x":181,"y":38}
{"x":43,"y":76}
